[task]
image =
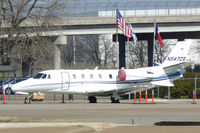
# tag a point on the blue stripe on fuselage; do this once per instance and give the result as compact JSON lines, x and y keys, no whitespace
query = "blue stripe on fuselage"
{"x":169,"y":76}
{"x":177,"y":74}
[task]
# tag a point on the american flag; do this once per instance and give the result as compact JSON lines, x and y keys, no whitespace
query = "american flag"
{"x":122,"y":25}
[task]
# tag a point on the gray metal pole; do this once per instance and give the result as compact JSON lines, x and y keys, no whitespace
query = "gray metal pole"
{"x":129,"y":96}
{"x":169,"y":93}
{"x":74,"y":44}
{"x":117,"y":41}
{"x":154,"y":39}
{"x":127,"y":54}
{"x":195,"y":85}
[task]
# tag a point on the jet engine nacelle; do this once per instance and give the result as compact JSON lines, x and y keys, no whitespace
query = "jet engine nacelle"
{"x":122,"y":75}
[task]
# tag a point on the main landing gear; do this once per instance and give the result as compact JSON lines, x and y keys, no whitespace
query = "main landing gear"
{"x":114,"y":101}
{"x":115,"y":98}
{"x":92,"y":99}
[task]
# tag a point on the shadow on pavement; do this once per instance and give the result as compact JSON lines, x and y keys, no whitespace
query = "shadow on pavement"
{"x":177,"y":123}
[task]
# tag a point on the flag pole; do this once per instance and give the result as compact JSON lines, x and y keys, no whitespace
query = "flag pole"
{"x":154,"y":40}
{"x":116,"y":26}
{"x":117,"y":40}
{"x":127,"y":54}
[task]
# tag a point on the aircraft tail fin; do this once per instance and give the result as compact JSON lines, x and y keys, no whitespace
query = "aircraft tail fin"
{"x":173,"y":66}
{"x":178,"y":55}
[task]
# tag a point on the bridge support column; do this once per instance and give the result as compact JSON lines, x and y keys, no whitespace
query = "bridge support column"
{"x":122,"y":52}
{"x":180,"y":39}
{"x":57,"y":57}
{"x":122,"y":49}
{"x":61,"y":40}
{"x":150,"y":51}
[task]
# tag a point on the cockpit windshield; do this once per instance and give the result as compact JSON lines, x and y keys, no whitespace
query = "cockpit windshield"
{"x":38,"y":76}
{"x":44,"y":76}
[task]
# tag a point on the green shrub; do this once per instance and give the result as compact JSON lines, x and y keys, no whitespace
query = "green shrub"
{"x":184,"y":87}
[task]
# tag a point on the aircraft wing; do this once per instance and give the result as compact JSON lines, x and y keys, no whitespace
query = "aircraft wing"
{"x":109,"y":92}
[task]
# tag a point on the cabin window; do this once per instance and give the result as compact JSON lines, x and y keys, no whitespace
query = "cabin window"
{"x":91,"y":76}
{"x":74,"y":76}
{"x":44,"y":76}
{"x":82,"y":76}
{"x":38,"y":76}
{"x":100,"y":76}
{"x":49,"y":76}
{"x":110,"y":76}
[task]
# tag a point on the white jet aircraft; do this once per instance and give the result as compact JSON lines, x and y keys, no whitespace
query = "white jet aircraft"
{"x":109,"y":82}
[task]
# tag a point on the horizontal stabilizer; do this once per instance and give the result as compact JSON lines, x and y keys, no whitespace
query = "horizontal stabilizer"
{"x":163,"y":83}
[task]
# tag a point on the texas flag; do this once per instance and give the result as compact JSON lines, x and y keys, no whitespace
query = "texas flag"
{"x":159,"y":36}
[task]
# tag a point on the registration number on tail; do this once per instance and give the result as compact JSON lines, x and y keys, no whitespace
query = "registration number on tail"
{"x":176,"y":58}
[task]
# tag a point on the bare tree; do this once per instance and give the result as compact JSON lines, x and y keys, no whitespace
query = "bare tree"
{"x":107,"y":51}
{"x":161,"y":52}
{"x":138,"y":53}
{"x":195,"y":49}
{"x":33,"y":53}
{"x":87,"y":49}
{"x":67,"y":52}
{"x":18,"y":12}
{"x":93,"y":50}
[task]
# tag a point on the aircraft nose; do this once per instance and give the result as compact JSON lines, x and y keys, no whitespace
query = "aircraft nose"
{"x":15,"y":87}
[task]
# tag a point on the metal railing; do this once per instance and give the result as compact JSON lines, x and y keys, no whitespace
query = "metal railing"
{"x":88,"y":8}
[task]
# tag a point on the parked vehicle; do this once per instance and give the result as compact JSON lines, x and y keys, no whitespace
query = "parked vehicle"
{"x":8,"y":85}
{"x":2,"y":83}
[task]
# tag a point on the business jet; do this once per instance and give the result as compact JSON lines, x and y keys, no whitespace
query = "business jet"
{"x":109,"y":82}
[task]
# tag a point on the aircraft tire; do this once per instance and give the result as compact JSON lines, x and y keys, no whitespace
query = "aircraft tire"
{"x":92,"y":99}
{"x":8,"y":91}
{"x":114,"y":101}
{"x":27,"y":101}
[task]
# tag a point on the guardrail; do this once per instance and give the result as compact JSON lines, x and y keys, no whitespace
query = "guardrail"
{"x":152,"y":12}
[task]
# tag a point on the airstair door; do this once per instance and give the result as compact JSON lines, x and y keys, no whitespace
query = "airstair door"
{"x":65,"y":81}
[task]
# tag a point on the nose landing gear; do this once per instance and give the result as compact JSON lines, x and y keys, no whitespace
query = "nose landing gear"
{"x":28,"y":98}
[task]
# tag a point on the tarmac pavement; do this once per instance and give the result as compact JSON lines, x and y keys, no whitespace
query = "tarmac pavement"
{"x":80,"y":116}
{"x":126,"y":112}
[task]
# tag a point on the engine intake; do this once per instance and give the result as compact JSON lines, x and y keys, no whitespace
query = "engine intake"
{"x":122,"y":75}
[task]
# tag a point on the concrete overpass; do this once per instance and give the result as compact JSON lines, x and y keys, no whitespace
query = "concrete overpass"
{"x":107,"y":25}
{"x":170,"y":27}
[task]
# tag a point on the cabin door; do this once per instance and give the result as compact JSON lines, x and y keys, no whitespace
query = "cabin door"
{"x":65,"y":81}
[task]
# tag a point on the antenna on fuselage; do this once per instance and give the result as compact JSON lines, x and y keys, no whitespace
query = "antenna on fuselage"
{"x":122,"y":68}
{"x":96,"y":68}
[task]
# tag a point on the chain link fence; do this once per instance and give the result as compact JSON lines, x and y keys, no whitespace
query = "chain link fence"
{"x":183,"y":89}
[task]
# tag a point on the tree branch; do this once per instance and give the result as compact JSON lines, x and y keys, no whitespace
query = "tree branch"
{"x":28,"y":13}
